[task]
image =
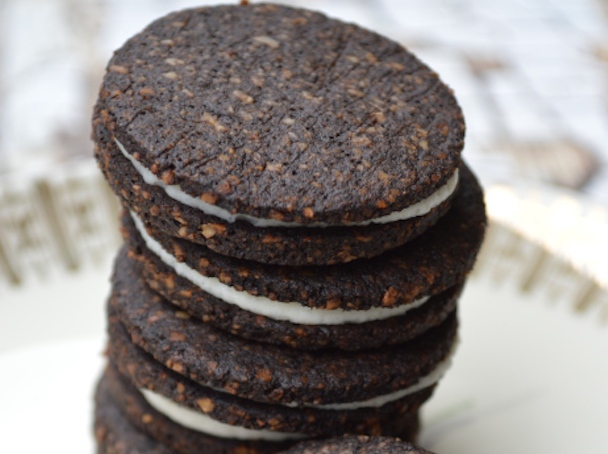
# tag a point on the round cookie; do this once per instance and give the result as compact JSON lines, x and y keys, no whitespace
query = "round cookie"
{"x":269,"y":373}
{"x":135,"y":411}
{"x":144,"y":372}
{"x":279,"y":117}
{"x":357,"y":444}
{"x":437,"y":260}
{"x":346,"y":336}
{"x":283,"y":246}
{"x":146,"y":418}
{"x":229,"y":317}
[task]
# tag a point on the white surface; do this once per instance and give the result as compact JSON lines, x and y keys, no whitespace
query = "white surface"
{"x":568,"y":226}
{"x":46,"y":395}
{"x":51,"y":344}
{"x":63,"y":307}
{"x":528,"y":376}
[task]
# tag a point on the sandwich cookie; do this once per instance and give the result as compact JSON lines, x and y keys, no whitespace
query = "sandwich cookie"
{"x":137,"y":416}
{"x":282,"y":129}
{"x":117,"y":406}
{"x":187,"y":430}
{"x":293,"y":246}
{"x":352,"y":333}
{"x":323,"y":380}
{"x":178,"y":397}
{"x":359,"y":305}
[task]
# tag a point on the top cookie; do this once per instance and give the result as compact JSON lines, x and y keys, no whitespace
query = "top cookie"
{"x":264,"y":112}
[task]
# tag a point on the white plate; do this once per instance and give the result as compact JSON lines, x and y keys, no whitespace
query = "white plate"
{"x":46,"y":393}
{"x":528,"y":377}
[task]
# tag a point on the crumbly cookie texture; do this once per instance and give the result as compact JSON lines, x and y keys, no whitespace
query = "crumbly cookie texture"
{"x":114,"y":434}
{"x":124,"y":389}
{"x":125,"y":424}
{"x":437,"y":260}
{"x":138,"y":416}
{"x":269,"y":373}
{"x":228,"y":317}
{"x":282,"y":113}
{"x":283,"y":246}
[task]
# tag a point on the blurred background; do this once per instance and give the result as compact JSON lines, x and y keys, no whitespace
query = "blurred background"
{"x":532,"y":79}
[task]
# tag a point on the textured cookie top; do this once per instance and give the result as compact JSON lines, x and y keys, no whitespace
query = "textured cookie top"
{"x":282,"y":114}
{"x":357,"y":444}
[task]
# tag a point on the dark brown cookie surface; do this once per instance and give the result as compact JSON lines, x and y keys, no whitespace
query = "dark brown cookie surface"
{"x":282,"y":114}
{"x":435,"y":261}
{"x":229,"y":317}
{"x":353,"y":444}
{"x":143,"y":373}
{"x":269,"y":373}
{"x":291,"y":246}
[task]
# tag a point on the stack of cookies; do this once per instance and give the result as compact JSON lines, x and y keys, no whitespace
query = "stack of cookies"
{"x":298,"y":226}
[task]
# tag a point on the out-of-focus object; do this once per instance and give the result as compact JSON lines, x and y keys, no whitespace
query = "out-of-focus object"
{"x":554,"y":157}
{"x":549,"y":239}
{"x":50,"y":223}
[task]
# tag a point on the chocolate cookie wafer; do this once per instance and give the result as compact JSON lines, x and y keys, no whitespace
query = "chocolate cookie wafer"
{"x":299,"y":225}
{"x":164,"y":388}
{"x":277,"y":135}
{"x":354,"y":334}
{"x":114,"y":434}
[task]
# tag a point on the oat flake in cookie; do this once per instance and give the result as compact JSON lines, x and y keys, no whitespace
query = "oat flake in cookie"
{"x":126,"y":415}
{"x":264,"y":125}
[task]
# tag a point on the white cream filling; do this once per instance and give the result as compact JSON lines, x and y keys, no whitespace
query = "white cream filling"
{"x":175,"y":192}
{"x":287,"y":311}
{"x":200,"y":422}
